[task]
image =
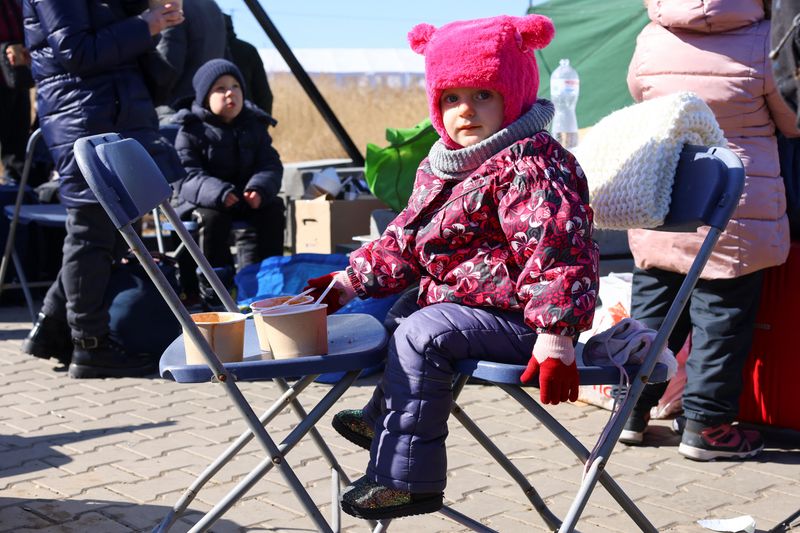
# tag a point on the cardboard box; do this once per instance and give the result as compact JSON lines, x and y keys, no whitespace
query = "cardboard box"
{"x":321,"y":224}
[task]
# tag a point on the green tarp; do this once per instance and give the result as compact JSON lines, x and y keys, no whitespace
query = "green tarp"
{"x":598,"y":37}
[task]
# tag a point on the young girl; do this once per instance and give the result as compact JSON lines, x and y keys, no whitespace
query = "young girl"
{"x":497,"y":232}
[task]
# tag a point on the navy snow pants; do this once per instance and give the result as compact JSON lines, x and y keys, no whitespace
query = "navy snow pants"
{"x":410,"y":407}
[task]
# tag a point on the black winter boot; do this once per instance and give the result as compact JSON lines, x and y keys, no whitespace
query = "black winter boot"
{"x":49,"y":337}
{"x":102,"y":357}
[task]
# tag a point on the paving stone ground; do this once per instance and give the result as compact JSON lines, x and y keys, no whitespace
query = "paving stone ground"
{"x":114,"y":455}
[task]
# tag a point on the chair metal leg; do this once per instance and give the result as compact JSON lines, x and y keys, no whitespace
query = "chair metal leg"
{"x":786,"y":525}
{"x":222,"y":374}
{"x":530,"y":492}
{"x":12,"y":228}
{"x":465,"y":520}
{"x":159,"y":236}
{"x":278,"y":459}
{"x":199,"y":258}
{"x":189,"y":495}
{"x":315,"y":436}
{"x":606,"y":444}
{"x":580,"y":451}
{"x":23,"y":282}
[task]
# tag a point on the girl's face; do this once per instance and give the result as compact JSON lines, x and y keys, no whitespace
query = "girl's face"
{"x":225,"y":98}
{"x":471,"y":115}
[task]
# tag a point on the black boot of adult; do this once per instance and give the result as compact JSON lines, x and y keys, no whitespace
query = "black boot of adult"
{"x":102,"y":357}
{"x":49,"y":337}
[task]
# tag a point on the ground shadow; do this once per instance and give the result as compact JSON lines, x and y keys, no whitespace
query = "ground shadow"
{"x":94,"y":515}
{"x":27,"y":454}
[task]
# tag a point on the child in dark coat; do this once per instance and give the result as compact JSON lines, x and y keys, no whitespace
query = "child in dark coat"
{"x":498,"y":233}
{"x":233,"y":171}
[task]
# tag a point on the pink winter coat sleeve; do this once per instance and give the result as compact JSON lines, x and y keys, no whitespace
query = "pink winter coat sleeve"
{"x":387,"y":264}
{"x":547,"y":220}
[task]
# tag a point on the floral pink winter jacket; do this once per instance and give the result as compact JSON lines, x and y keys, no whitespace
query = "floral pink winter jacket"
{"x":514,"y":234}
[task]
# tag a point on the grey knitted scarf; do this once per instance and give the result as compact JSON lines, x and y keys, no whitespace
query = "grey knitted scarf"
{"x":458,"y":164}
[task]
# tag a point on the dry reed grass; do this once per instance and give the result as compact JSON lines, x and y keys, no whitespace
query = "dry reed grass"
{"x":364,"y":110}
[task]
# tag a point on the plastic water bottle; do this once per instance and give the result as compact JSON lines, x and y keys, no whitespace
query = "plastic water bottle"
{"x":564,"y":89}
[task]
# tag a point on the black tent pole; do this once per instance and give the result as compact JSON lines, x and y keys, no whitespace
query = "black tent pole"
{"x":305,"y":81}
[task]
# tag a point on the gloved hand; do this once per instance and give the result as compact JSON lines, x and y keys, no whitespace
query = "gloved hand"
{"x":554,"y":360}
{"x":557,"y":382}
{"x":341,"y":292}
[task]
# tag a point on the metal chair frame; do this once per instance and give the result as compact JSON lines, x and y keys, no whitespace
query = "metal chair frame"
{"x":49,"y":215}
{"x":128,"y":184}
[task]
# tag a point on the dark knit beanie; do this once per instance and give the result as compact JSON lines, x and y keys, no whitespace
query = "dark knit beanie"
{"x":206,"y":75}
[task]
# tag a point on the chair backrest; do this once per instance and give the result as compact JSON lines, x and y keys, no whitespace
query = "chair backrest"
{"x":708,"y":184}
{"x":122,"y":175}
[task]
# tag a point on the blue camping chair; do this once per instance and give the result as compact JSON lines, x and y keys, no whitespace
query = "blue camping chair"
{"x":128,"y":184}
{"x":46,"y":215}
{"x":707,"y":186}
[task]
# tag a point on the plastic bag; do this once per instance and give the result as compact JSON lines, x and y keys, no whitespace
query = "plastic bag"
{"x":671,"y":403}
{"x":390,"y":171}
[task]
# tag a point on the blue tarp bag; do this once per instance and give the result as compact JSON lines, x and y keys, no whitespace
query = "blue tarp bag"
{"x":276,"y":276}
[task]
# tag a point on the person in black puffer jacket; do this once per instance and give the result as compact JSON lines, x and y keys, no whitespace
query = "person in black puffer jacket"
{"x":85,"y":63}
{"x":232,"y":170}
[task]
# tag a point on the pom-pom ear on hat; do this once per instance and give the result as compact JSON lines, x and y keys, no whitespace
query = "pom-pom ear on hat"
{"x":492,"y":53}
{"x":419,"y":36}
{"x":537,"y":31}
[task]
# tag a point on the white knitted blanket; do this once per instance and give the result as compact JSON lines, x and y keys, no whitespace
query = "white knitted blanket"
{"x":630,"y":157}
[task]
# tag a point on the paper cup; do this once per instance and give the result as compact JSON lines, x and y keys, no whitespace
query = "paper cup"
{"x":264,"y":305}
{"x":293,"y":331}
{"x":224,"y":332}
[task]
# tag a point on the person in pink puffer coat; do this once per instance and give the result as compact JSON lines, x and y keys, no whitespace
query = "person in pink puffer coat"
{"x":718,"y":50}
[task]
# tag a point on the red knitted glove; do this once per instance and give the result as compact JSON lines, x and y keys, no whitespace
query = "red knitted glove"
{"x":341,"y":292}
{"x":557,"y":382}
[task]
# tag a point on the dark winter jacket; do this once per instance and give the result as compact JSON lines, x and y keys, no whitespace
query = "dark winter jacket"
{"x":515,"y":235}
{"x":187,"y":46}
{"x":787,"y":63}
{"x":84,"y":60}
{"x":221,"y":158}
{"x":246,"y":57}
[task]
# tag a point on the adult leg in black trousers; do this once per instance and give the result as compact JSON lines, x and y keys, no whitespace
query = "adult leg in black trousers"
{"x":652,"y":293}
{"x":78,"y":297}
{"x":721,"y":314}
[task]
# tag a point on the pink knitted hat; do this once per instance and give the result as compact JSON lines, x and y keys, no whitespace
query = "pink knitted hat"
{"x":491,"y":53}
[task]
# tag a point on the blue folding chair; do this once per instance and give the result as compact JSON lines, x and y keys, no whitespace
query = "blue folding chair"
{"x":45,"y":215}
{"x":128,"y":184}
{"x":706,"y":190}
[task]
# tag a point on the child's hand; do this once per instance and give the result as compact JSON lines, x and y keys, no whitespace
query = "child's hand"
{"x":341,"y":292}
{"x":557,"y":382}
{"x":230,"y":199}
{"x":253,"y":199}
{"x":159,"y":18}
{"x":558,"y":373}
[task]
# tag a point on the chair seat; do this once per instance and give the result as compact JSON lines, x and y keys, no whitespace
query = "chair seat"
{"x":51,"y":215}
{"x":355,"y":341}
{"x":589,"y":375}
